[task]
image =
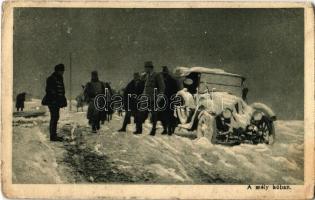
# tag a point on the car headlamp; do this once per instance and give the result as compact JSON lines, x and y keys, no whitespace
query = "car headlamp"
{"x":257,"y":116}
{"x":227,"y":113}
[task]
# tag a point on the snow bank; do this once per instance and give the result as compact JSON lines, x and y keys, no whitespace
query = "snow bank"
{"x":112,"y":156}
{"x":179,"y":159}
{"x":34,"y":158}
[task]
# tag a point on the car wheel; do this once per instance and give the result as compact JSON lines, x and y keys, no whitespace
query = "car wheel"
{"x":268,"y":131}
{"x":265,"y":128}
{"x":207,"y":127}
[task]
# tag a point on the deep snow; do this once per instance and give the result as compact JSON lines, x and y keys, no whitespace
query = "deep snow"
{"x":110,"y":156}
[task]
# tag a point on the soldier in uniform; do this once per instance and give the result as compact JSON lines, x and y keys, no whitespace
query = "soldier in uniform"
{"x":55,"y":99}
{"x":167,"y":117}
{"x":19,"y":104}
{"x":153,"y":81}
{"x":131,"y":92}
{"x":92,"y":89}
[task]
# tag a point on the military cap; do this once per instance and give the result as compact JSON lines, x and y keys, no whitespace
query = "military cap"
{"x":60,"y":67}
{"x":165,"y":69}
{"x":148,"y":64}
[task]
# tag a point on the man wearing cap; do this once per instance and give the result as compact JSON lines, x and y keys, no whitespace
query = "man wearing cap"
{"x":92,"y":89}
{"x":167,"y":117}
{"x":153,"y":82}
{"x":55,"y":99}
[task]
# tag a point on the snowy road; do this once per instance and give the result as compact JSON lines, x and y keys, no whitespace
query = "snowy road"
{"x":123,"y":157}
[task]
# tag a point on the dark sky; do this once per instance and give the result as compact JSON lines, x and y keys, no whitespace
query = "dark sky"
{"x":264,"y":45}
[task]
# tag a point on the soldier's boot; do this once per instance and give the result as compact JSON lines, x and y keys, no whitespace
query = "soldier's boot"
{"x":94,"y":129}
{"x":164,"y":130}
{"x":154,"y":122}
{"x":56,"y":139}
{"x":53,"y":131}
{"x":122,"y":129}
{"x":170,"y":130}
{"x":138,"y":129}
{"x":152,"y":133}
{"x":124,"y":126}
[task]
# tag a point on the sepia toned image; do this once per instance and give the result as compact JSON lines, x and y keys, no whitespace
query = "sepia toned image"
{"x":159,"y":97}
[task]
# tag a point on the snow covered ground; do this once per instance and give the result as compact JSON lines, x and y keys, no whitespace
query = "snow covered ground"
{"x":112,"y":157}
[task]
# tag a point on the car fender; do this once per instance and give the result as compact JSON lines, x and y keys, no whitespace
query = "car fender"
{"x":265,"y":109}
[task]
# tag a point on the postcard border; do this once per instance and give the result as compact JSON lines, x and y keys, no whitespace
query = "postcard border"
{"x":79,"y":191}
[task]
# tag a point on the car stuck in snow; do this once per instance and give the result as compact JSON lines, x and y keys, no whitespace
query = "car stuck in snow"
{"x":214,"y":106}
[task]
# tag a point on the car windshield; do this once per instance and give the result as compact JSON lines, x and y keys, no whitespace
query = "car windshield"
{"x":191,"y":82}
{"x":220,"y":82}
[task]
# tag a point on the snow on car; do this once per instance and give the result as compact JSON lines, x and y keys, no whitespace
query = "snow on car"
{"x":214,"y":106}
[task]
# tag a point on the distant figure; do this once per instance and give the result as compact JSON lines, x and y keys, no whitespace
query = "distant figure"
{"x":131,"y":92}
{"x":55,"y":99}
{"x":92,"y":89}
{"x":80,"y":99}
{"x":19,"y":104}
{"x":120,"y":110}
{"x":153,"y":81}
{"x":167,"y":118}
{"x":106,"y":115}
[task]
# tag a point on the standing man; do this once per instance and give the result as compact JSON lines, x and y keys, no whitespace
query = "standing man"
{"x":55,"y":99}
{"x":19,"y":104}
{"x":153,"y":81}
{"x":131,"y":92}
{"x":92,"y":89}
{"x":80,"y":99}
{"x":167,"y":117}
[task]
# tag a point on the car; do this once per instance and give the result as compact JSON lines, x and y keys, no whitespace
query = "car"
{"x":214,"y":105}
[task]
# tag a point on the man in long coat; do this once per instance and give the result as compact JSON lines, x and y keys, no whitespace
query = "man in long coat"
{"x":153,"y":82}
{"x":92,"y":89}
{"x":131,"y":93}
{"x":19,"y":104}
{"x":167,"y":115}
{"x":55,"y":99}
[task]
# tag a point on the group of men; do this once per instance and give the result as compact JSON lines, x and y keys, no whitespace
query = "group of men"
{"x":150,"y":84}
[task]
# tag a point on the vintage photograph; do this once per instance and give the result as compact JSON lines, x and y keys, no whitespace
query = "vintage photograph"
{"x":159,"y":96}
{"x":238,"y":75}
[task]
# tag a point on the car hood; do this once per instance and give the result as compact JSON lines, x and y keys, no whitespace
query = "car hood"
{"x":185,"y":71}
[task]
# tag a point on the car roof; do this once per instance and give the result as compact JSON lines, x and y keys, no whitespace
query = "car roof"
{"x":185,"y":71}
